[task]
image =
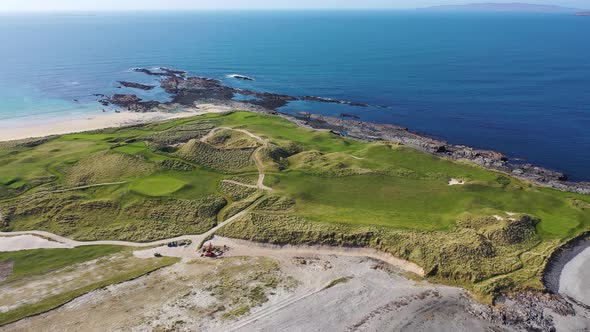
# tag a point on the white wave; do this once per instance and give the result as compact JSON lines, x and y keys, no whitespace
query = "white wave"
{"x":240,"y":76}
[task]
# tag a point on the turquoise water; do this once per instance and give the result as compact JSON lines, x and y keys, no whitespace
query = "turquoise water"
{"x":518,"y":83}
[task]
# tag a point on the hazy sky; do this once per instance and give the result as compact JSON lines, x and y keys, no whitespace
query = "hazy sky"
{"x":87,"y":5}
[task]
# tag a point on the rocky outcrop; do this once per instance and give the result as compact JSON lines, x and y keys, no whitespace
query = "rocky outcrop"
{"x":524,"y":310}
{"x":242,"y":77}
{"x":162,"y":71}
{"x":130,"y":102}
{"x":188,"y":91}
{"x":333,"y":101}
{"x":136,"y":85}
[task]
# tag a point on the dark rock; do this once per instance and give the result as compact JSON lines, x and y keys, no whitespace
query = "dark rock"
{"x":352,"y":116}
{"x":190,"y":90}
{"x":334,"y":101}
{"x":485,"y":158}
{"x":524,"y":310}
{"x":243,"y":77}
{"x":136,"y":85}
{"x":130,"y":102}
{"x":162,"y":72}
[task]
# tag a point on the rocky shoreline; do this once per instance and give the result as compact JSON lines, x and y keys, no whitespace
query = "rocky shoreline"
{"x":136,"y":85}
{"x":486,"y":158}
{"x":189,"y":91}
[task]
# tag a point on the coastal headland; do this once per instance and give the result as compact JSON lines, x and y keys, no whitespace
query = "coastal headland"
{"x":190,"y":91}
{"x":305,"y":193}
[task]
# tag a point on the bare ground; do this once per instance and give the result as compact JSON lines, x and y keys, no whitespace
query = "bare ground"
{"x":186,"y":297}
{"x":6,"y":269}
{"x":25,"y":242}
{"x":31,"y":290}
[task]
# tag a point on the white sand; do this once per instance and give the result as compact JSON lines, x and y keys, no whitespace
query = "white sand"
{"x":19,"y":129}
{"x":171,"y":299}
{"x":455,"y":182}
{"x":575,"y":278}
{"x":25,"y":242}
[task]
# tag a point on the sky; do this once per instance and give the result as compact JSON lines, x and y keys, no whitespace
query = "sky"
{"x":94,"y":5}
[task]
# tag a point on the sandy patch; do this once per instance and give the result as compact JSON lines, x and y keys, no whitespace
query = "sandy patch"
{"x":6,"y":270}
{"x":178,"y":298}
{"x":15,"y":129}
{"x":456,"y":182}
{"x":26,"y":242}
{"x":575,"y":278}
{"x":247,"y":248}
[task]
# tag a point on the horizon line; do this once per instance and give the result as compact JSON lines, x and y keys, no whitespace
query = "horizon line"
{"x":147,"y":10}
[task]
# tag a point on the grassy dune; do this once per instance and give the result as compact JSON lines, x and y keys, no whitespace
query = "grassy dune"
{"x":492,"y":234}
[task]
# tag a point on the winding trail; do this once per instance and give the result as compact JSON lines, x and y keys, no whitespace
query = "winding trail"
{"x":197,"y":240}
{"x":255,"y":155}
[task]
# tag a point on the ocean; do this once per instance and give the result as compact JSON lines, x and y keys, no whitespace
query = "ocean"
{"x":515,"y":83}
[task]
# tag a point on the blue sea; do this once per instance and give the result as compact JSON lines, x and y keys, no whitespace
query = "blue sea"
{"x":516,"y":83}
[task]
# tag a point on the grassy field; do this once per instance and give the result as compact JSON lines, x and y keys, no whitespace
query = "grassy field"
{"x":44,"y":279}
{"x":34,"y":262}
{"x":492,"y":234}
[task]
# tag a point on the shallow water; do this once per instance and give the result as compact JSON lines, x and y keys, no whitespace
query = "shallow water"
{"x":517,"y":83}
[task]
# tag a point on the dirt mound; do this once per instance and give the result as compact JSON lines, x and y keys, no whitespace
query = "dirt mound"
{"x":502,"y":231}
{"x":231,"y":139}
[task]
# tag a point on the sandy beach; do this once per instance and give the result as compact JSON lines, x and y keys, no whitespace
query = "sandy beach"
{"x":575,"y":278}
{"x":20,"y":129}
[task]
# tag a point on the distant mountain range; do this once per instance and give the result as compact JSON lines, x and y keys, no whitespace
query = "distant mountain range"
{"x":506,"y":7}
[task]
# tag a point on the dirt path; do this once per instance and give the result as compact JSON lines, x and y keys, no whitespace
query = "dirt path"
{"x":257,"y":160}
{"x":26,"y":242}
{"x":190,"y":250}
{"x":241,"y":184}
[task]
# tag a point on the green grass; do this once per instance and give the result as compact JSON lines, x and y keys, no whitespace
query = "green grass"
{"x":338,"y":281}
{"x":39,"y":261}
{"x":63,"y":298}
{"x":159,"y":185}
{"x":426,"y":204}
{"x":327,"y":189}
